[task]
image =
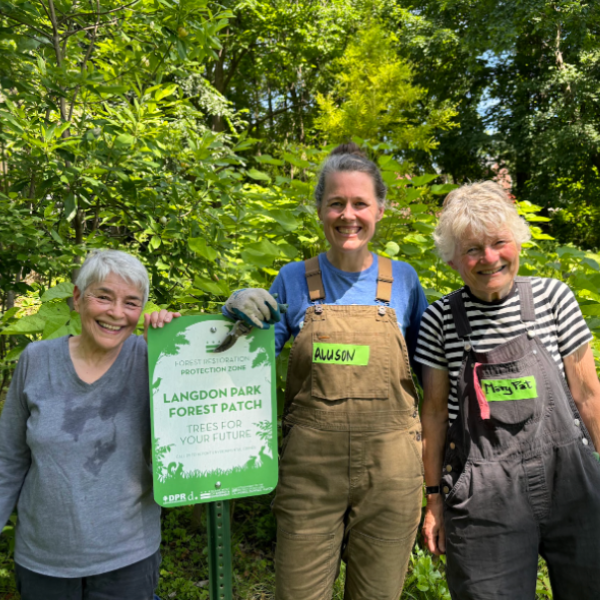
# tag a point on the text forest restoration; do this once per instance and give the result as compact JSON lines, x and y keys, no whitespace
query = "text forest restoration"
{"x":214,"y":394}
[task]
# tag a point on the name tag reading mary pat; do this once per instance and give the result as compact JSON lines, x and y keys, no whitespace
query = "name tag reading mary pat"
{"x":214,"y":415}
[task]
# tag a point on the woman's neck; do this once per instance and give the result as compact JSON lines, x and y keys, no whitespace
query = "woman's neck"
{"x":351,"y":262}
{"x":89,"y":360}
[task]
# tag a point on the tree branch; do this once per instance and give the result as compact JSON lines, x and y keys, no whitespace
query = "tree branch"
{"x":68,"y":34}
{"x":233,"y":66}
{"x":90,"y":14}
{"x":560,"y":63}
{"x":278,"y":112}
{"x":86,"y":58}
{"x":40,"y":31}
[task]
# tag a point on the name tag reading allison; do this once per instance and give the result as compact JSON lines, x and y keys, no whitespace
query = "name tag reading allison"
{"x":341,"y":354}
{"x":214,"y":417}
{"x":520,"y":388}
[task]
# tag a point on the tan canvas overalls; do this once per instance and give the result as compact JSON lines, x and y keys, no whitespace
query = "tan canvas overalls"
{"x":350,"y":471}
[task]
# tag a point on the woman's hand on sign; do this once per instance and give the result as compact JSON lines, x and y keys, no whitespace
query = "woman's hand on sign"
{"x":255,"y":306}
{"x":434,"y":533}
{"x":158,"y":319}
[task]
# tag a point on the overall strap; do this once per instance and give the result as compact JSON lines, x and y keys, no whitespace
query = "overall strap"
{"x":525,"y":298}
{"x":316,"y":291}
{"x":384,"y":279}
{"x":459,"y":313}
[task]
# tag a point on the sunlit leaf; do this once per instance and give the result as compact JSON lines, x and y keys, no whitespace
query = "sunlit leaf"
{"x":258,"y":175}
{"x":58,"y":292}
{"x":199,"y":246}
{"x":25,"y":325}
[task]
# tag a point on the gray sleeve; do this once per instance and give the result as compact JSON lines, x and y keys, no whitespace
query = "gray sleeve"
{"x":15,"y":456}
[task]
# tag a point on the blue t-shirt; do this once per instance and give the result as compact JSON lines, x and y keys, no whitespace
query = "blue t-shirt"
{"x":344,"y":288}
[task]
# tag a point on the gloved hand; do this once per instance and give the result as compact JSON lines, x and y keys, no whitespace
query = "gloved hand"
{"x":255,"y":306}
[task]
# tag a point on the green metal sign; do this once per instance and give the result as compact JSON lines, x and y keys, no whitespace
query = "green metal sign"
{"x":214,"y":415}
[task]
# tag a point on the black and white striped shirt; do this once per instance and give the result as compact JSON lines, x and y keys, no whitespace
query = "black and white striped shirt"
{"x":559,"y":325}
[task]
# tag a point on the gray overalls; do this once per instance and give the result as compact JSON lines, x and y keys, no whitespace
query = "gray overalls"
{"x":519,"y":475}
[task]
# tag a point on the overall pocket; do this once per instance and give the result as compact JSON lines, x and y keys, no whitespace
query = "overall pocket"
{"x":512,"y":399}
{"x":457,"y":483}
{"x":346,"y":365}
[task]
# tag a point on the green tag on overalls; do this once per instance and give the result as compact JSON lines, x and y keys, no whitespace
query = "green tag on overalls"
{"x":520,"y":388}
{"x":341,"y":354}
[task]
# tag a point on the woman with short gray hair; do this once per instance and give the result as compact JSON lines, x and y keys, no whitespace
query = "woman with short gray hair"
{"x":75,"y":447}
{"x":511,"y":414}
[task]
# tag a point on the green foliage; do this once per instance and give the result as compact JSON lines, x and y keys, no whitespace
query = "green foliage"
{"x":426,"y":579}
{"x":190,"y":134}
{"x":525,"y":76}
{"x":373,"y":97}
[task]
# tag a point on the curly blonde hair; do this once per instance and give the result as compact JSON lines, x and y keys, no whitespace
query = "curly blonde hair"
{"x":480,"y":208}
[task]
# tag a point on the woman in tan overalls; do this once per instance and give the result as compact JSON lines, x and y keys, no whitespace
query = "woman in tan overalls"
{"x":350,"y":472}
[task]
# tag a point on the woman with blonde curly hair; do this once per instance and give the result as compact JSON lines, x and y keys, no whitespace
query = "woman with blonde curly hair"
{"x":511,"y":414}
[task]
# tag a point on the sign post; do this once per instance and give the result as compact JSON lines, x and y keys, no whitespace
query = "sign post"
{"x":219,"y":551}
{"x":214,"y":424}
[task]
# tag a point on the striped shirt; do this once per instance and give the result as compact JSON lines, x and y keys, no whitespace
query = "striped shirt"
{"x":559,"y":325}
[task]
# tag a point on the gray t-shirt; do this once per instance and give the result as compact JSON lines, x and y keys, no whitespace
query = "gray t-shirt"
{"x":75,"y":459}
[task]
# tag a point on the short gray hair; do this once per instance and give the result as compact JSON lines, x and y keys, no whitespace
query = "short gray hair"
{"x":481,"y":207}
{"x":99,"y":264}
{"x":349,"y":157}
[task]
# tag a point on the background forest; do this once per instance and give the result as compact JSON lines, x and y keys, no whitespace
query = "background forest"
{"x":189,"y":132}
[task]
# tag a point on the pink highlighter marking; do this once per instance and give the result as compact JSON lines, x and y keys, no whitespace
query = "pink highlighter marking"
{"x":484,"y":407}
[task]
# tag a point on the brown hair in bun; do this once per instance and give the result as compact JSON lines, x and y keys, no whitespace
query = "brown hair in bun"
{"x":350,"y":157}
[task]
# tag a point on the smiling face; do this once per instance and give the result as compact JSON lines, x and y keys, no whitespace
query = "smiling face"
{"x":489,"y":265}
{"x":349,"y":212}
{"x":109,"y":312}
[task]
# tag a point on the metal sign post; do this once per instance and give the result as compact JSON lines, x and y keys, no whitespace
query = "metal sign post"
{"x":219,"y":551}
{"x":214,"y":424}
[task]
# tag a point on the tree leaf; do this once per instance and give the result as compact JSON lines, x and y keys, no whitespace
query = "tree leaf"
{"x":218,"y":288}
{"x":125,"y":139}
{"x":56,"y":314}
{"x":423,"y":227}
{"x":445,"y":188}
{"x":257,"y":260}
{"x":198,"y":245}
{"x":591,"y":310}
{"x":56,"y":237}
{"x":269,"y":160}
{"x":423,"y":179}
{"x":410,"y":249}
{"x":165,"y":91}
{"x":55,"y":311}
{"x":285,"y":218}
{"x":59,"y":292}
{"x":258,"y":175}
{"x":263,"y":248}
{"x":74,"y":324}
{"x":412,"y":194}
{"x":70,"y":207}
{"x":14,"y":354}
{"x":296,"y":161}
{"x":391,"y":248}
{"x":25,"y":325}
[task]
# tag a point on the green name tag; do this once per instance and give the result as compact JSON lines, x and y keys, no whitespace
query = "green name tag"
{"x":521,"y":388}
{"x":341,"y":354}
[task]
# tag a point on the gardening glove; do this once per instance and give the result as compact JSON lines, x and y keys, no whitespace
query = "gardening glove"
{"x":255,"y":306}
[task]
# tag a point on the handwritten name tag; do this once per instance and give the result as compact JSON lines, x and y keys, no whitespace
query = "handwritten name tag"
{"x":520,"y":388}
{"x":341,"y":354}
